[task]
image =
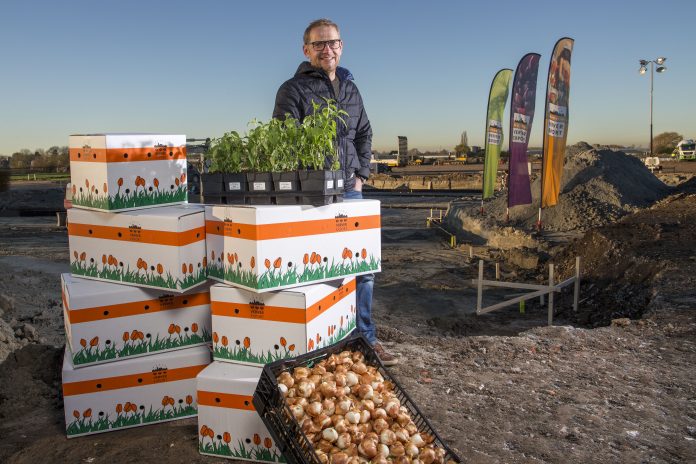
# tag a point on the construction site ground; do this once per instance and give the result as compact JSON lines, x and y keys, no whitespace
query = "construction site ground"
{"x":611,"y":383}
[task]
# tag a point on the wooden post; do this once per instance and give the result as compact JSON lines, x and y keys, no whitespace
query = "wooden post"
{"x":576,"y":290}
{"x":497,"y":271}
{"x":479,"y":296}
{"x":551,"y":294}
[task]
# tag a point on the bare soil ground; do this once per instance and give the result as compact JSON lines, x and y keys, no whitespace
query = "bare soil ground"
{"x":499,"y":388}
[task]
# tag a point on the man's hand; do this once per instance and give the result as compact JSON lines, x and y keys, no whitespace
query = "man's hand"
{"x":358,"y":184}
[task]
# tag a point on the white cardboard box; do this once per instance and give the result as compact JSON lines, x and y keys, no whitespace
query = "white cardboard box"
{"x":228,"y":425}
{"x":107,"y":322}
{"x":117,"y":172}
{"x":256,"y":329}
{"x":132,"y":392}
{"x":264,"y":248}
{"x":156,"y":248}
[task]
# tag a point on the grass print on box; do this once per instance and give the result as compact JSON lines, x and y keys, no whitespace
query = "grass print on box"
{"x":132,"y":392}
{"x":107,"y":322}
{"x":251,"y":449}
{"x":118,"y":172}
{"x":267,"y":248}
{"x":256,"y":329}
{"x":138,"y":195}
{"x":129,"y":415}
{"x":136,"y":343}
{"x":228,"y":425}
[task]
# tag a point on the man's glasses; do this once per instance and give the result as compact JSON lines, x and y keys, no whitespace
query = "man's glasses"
{"x":319,"y":45}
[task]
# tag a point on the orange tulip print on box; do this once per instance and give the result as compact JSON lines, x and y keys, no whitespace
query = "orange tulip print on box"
{"x":257,"y":329}
{"x":265,"y":249}
{"x":228,"y":424}
{"x":118,"y":172}
{"x":133,"y":392}
{"x":107,"y":322}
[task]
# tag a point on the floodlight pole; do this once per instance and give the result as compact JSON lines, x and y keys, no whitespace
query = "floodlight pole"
{"x":652,"y":76}
{"x":643,"y":68}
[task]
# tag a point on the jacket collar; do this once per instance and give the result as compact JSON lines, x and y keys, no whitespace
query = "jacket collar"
{"x":306,"y":69}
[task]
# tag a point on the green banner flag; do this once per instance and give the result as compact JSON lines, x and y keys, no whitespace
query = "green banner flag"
{"x":500,"y":88}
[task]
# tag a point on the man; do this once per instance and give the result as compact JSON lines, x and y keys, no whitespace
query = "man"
{"x":320,"y":78}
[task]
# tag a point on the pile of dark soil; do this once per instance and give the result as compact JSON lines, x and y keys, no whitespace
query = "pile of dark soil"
{"x":598,"y":187}
{"x":29,"y":395}
{"x":639,"y":263}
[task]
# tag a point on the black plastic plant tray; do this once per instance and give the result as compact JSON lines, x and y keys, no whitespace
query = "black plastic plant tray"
{"x":212,"y":184}
{"x":286,"y":431}
{"x":318,"y":199}
{"x":224,"y":199}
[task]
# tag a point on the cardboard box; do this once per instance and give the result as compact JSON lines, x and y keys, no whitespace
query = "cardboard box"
{"x":256,"y":329}
{"x":107,"y":322}
{"x":264,"y":248}
{"x":228,"y":425}
{"x":156,"y":248}
{"x":118,"y":172}
{"x":132,"y":392}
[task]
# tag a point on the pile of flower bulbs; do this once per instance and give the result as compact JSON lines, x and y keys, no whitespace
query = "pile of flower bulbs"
{"x":351,"y":414}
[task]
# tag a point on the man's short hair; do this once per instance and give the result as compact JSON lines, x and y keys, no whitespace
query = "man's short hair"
{"x":318,"y":23}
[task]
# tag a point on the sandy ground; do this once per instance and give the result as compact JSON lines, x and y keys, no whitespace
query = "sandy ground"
{"x":501,"y":387}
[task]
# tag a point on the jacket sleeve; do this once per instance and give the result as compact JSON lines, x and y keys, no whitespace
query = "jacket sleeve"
{"x":363,"y":141}
{"x":287,"y":102}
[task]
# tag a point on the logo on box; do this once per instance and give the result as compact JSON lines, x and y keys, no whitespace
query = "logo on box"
{"x":160,"y":149}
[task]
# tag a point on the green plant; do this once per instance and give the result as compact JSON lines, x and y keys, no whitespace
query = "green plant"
{"x":282,"y":145}
{"x":228,"y":153}
{"x":318,"y":147}
{"x":258,"y":147}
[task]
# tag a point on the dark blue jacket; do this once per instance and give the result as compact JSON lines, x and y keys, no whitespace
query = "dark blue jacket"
{"x":354,"y":141}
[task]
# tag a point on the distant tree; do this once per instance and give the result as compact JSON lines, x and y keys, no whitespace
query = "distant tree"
{"x":462,"y":149}
{"x":21,"y":159}
{"x":57,"y":158}
{"x":666,"y":142}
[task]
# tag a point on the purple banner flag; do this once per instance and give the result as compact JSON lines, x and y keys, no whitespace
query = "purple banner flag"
{"x":521,"y":117}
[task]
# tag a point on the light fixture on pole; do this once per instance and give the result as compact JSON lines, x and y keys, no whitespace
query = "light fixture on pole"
{"x":660,"y":69}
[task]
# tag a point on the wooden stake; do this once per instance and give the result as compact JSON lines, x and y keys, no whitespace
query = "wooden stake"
{"x":551,"y":294}
{"x":576,"y":290}
{"x":479,"y":296}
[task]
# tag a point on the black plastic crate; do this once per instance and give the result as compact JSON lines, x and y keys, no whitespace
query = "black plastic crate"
{"x":318,"y":199}
{"x":224,"y":198}
{"x":287,"y":433}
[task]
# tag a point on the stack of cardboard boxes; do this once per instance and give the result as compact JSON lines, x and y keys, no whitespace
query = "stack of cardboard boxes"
{"x":137,"y":338}
{"x":287,"y":287}
{"x":138,"y":341}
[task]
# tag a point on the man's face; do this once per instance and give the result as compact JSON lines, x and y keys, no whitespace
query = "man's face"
{"x":328,"y":58}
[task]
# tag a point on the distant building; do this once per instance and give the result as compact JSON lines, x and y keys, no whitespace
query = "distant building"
{"x":403,"y":150}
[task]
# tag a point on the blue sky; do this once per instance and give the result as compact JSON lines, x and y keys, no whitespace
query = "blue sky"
{"x":423,"y":68}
